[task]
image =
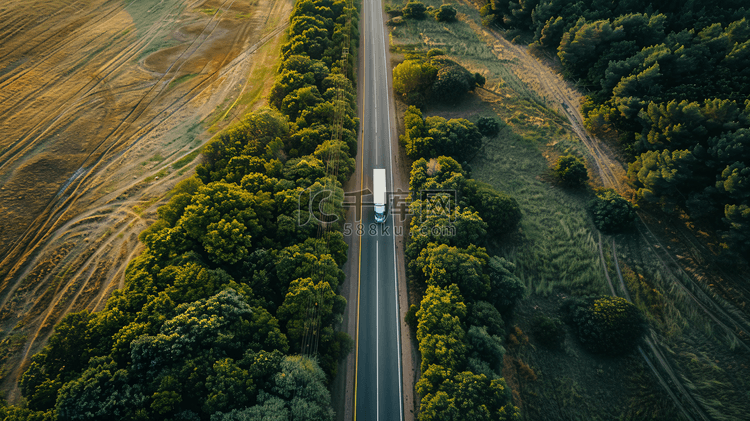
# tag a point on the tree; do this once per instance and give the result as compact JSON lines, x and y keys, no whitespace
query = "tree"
{"x":505,"y":287}
{"x":440,"y":332}
{"x":658,"y":176}
{"x":571,"y":170}
{"x":611,"y":212}
{"x":62,"y":359}
{"x":485,"y":347}
{"x":295,"y":310}
{"x":413,"y":76}
{"x":446,"y":13}
{"x":103,"y":392}
{"x":485,"y":315}
{"x":296,"y":392}
{"x":443,"y":265}
{"x":488,"y":126}
{"x":607,"y":325}
{"x":299,"y":100}
{"x":548,"y":331}
{"x":458,"y":137}
{"x":414,"y":10}
{"x":499,"y":210}
{"x":222,"y":219}
{"x":452,"y":83}
{"x":466,"y":396}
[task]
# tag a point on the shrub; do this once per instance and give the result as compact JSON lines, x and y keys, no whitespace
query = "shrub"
{"x":499,"y":210}
{"x":607,"y":325}
{"x":571,"y":170}
{"x":446,"y":13}
{"x":548,"y":331}
{"x":452,"y":83}
{"x":488,"y":126}
{"x":413,"y":76}
{"x":611,"y":212}
{"x":414,"y":10}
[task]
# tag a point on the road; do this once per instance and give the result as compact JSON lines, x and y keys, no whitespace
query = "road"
{"x":377,"y":394}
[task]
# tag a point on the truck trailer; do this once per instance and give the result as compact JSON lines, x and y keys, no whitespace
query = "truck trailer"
{"x":378,"y":194}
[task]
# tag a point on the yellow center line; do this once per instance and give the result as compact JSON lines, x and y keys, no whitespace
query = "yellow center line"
{"x":361,"y":213}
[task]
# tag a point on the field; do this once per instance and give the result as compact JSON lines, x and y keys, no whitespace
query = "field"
{"x":105,"y":106}
{"x":695,"y":361}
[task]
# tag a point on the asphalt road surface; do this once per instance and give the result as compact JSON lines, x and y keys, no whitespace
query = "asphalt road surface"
{"x":378,"y":394}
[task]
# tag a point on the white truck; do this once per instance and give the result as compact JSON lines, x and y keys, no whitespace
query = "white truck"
{"x":378,"y":193}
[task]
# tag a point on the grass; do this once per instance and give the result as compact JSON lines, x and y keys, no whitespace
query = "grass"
{"x":181,"y":79}
{"x":209,"y":11}
{"x":186,"y":159}
{"x":159,"y":174}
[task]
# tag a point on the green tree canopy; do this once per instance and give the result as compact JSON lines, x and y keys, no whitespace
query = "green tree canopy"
{"x":611,"y":212}
{"x":571,"y":170}
{"x":607,"y":325}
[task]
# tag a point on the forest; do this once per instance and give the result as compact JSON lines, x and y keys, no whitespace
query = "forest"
{"x":669,"y":81}
{"x":211,"y":322}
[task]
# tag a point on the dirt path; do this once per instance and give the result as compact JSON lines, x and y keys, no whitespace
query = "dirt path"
{"x":101,"y":105}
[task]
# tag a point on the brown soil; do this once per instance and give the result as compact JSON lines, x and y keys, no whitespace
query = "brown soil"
{"x":98,"y":100}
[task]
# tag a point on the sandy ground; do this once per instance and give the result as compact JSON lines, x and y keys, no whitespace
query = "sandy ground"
{"x":99,"y":100}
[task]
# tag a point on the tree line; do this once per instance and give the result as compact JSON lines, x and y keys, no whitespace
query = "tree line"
{"x":458,"y":323}
{"x":210,"y":320}
{"x":670,"y":78}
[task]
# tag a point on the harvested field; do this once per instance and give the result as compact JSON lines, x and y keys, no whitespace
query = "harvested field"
{"x":101,"y":105}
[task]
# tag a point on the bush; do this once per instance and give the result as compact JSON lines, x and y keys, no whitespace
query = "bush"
{"x":488,"y":126}
{"x":611,"y":212}
{"x":414,"y":10}
{"x":571,"y":170}
{"x":499,"y":210}
{"x":548,"y":331}
{"x":413,"y":77}
{"x":446,"y":13}
{"x":452,"y":83}
{"x":607,"y":325}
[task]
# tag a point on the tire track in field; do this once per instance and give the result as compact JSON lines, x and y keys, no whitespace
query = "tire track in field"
{"x":118,"y":136}
{"x":66,"y":107}
{"x":40,"y":229}
{"x":68,"y":295}
{"x":25,"y":143}
{"x":660,"y":358}
{"x":152,"y":94}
